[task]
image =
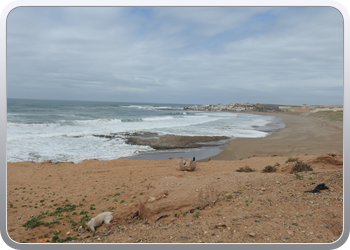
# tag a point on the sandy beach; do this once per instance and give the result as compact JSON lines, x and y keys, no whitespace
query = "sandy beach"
{"x":302,"y":135}
{"x":154,"y":202}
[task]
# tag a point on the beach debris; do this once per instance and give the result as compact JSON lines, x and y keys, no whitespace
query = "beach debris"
{"x":194,"y":159}
{"x":32,"y":216}
{"x":220,"y":226}
{"x":161,"y":217}
{"x":20,"y":217}
{"x":318,"y":188}
{"x":68,"y":233}
{"x":107,"y":233}
{"x":187,"y":165}
{"x":252,"y":234}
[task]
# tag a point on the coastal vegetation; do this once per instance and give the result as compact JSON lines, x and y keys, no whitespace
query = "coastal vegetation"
{"x":301,"y":166}
{"x":329,"y":115}
{"x":245,"y":169}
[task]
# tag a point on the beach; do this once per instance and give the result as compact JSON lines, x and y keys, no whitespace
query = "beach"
{"x":154,"y":202}
{"x":302,"y":135}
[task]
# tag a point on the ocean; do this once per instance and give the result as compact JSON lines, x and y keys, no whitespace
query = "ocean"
{"x":66,"y":131}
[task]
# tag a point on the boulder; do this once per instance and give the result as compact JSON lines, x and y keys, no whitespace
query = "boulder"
{"x":187,"y":165}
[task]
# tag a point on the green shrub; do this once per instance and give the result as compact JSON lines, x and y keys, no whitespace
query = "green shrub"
{"x":85,"y":218}
{"x":34,"y":222}
{"x":196,"y":214}
{"x":59,"y":240}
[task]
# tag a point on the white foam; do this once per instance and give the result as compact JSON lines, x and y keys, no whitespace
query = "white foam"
{"x":74,"y":141}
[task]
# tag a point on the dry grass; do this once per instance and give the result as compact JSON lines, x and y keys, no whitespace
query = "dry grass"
{"x":301,"y":166}
{"x":245,"y":169}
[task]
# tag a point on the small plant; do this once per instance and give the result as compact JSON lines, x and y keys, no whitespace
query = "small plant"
{"x":301,"y":166}
{"x":59,"y":240}
{"x":184,"y":213}
{"x":310,"y":178}
{"x":298,"y":176}
{"x":269,"y":169}
{"x":85,"y":218}
{"x":34,"y":222}
{"x":291,"y":159}
{"x":245,"y":169}
{"x":229,"y":196}
{"x":196,"y":214}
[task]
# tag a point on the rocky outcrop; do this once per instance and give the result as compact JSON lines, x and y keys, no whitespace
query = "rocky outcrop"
{"x":219,"y":107}
{"x":163,"y":142}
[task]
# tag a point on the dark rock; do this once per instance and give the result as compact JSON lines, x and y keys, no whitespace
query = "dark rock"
{"x":318,"y":188}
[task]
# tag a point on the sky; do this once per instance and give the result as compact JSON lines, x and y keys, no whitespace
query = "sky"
{"x":191,"y":55}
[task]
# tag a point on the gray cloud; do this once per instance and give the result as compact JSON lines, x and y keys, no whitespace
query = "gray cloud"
{"x":177,"y":55}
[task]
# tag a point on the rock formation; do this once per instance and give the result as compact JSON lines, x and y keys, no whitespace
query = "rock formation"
{"x":187,"y":165}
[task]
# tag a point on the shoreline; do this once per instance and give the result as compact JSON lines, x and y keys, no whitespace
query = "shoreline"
{"x":301,"y":135}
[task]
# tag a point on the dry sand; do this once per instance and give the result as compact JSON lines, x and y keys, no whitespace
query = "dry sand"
{"x":243,"y":207}
{"x":303,"y":134}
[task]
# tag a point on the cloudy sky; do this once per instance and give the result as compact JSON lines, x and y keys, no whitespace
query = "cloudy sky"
{"x":176,"y":55}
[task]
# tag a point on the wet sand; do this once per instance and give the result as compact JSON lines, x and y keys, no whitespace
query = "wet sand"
{"x":302,"y":135}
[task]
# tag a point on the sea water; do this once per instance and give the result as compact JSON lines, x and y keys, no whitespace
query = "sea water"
{"x":70,"y":131}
